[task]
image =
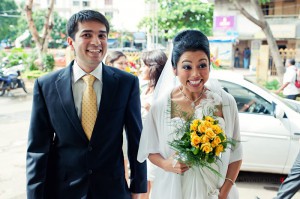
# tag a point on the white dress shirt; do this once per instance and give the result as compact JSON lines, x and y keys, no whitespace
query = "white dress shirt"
{"x":290,"y":76}
{"x":78,"y":85}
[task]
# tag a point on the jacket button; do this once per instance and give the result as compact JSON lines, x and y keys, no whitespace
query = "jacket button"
{"x":90,"y":148}
{"x":90,"y":171}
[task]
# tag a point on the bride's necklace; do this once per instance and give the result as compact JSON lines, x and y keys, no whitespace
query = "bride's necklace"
{"x":192,"y":101}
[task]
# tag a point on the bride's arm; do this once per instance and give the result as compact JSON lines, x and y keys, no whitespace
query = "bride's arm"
{"x":170,"y":164}
{"x":231,"y":175}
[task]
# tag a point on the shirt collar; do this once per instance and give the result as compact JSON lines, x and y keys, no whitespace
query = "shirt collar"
{"x":78,"y":72}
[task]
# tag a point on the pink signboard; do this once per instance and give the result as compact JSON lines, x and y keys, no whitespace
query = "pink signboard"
{"x":224,"y":23}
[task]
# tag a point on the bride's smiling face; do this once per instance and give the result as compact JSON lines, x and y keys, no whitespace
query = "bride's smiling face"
{"x":193,"y":70}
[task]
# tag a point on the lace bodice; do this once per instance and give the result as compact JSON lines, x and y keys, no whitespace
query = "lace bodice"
{"x":206,"y":107}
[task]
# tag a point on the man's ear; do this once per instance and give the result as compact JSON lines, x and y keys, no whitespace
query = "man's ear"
{"x":175,"y":71}
{"x":70,"y":42}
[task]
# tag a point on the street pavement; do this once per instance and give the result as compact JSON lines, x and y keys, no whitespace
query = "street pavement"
{"x":14,"y":123}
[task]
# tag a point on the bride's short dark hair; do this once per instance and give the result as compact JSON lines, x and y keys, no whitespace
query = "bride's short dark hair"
{"x":189,"y":40}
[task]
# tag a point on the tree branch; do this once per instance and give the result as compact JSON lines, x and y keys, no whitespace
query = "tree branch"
{"x":247,"y":14}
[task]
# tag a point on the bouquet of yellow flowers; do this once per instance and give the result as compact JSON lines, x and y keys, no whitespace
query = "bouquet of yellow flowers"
{"x":202,"y":143}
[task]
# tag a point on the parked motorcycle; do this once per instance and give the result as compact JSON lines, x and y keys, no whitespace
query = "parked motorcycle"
{"x":11,"y":79}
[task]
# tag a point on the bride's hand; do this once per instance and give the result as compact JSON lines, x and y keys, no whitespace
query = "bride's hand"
{"x":172,"y":165}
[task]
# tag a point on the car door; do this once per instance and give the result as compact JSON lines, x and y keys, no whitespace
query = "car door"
{"x":265,"y":139}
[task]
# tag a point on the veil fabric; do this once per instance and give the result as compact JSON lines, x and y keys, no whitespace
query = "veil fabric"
{"x":167,"y":79}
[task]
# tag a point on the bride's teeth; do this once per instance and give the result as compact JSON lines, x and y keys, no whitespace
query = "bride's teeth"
{"x":195,"y":82}
{"x":94,"y":51}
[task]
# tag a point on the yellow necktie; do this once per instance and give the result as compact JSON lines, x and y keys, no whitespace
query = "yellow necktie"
{"x":89,"y":106}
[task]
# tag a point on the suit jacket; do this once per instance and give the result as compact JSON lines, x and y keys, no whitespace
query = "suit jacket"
{"x":62,"y":162}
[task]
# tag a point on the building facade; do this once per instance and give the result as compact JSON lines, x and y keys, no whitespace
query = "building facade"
{"x":239,"y":32}
{"x":122,"y":14}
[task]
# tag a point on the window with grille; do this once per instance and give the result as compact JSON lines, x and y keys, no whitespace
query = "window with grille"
{"x":85,"y":3}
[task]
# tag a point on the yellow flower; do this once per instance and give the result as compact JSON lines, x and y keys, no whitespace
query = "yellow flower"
{"x":206,"y":147}
{"x":209,"y":119}
{"x":193,"y":133}
{"x":195,"y":140}
{"x":216,"y":141}
{"x":194,"y":127}
{"x":210,"y":133}
{"x":196,"y":121}
{"x":207,"y":124}
{"x":219,"y":149}
{"x":204,"y":139}
{"x":202,"y":128}
{"x":217,"y":129}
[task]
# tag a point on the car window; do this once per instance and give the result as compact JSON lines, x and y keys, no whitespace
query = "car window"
{"x":247,"y":101}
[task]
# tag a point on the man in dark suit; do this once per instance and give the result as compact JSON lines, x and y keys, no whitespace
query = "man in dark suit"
{"x":62,"y":160}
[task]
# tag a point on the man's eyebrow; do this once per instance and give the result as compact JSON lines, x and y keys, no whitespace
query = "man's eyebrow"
{"x":101,"y":31}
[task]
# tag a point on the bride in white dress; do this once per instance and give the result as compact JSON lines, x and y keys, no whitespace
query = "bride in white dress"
{"x":174,"y":180}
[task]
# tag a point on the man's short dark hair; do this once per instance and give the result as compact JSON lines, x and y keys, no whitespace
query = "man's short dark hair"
{"x":292,"y":61}
{"x":82,"y":16}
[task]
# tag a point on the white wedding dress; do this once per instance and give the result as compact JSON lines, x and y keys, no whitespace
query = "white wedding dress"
{"x":196,"y":183}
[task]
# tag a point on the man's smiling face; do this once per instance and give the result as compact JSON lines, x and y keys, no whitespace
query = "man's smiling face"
{"x":89,"y":44}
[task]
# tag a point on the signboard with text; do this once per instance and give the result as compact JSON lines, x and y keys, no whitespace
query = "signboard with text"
{"x":224,"y":23}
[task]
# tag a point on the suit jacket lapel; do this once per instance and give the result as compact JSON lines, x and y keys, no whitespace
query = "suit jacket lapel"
{"x":109,"y":89}
{"x":110,"y":85}
{"x":65,"y":93}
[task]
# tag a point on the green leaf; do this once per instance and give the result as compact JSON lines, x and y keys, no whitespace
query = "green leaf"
{"x":196,"y":151}
{"x":222,"y":137}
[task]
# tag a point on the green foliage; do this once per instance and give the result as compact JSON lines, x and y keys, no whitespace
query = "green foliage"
{"x":32,"y":66}
{"x":48,"y":62}
{"x":8,"y":21}
{"x":17,"y":56}
{"x":272,"y":85}
{"x":175,"y":15}
{"x":2,"y":54}
{"x":33,"y":74}
{"x":264,"y":1}
{"x":31,"y":61}
{"x":59,"y":32}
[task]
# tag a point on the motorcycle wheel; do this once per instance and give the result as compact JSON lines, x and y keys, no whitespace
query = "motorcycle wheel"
{"x":2,"y":90}
{"x":23,"y":85}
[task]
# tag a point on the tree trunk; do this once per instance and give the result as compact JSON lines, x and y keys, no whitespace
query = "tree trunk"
{"x":47,"y":27}
{"x":263,"y":24}
{"x":32,"y":27}
{"x":40,"y":41}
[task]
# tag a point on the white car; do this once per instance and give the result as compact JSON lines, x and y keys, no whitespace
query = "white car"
{"x":269,"y":124}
